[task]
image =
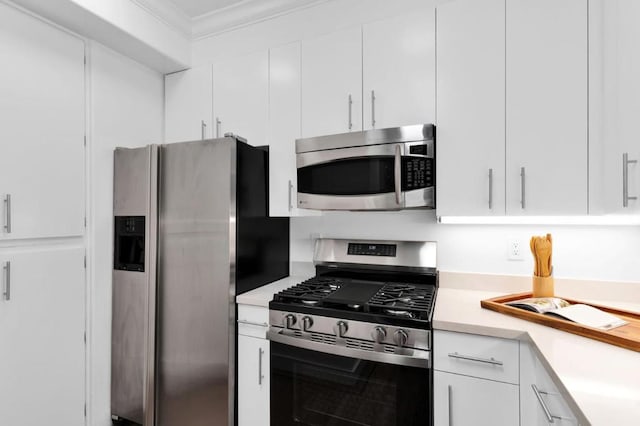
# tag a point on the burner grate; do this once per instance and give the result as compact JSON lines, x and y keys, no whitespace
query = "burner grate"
{"x":311,"y":291}
{"x":403,"y":300}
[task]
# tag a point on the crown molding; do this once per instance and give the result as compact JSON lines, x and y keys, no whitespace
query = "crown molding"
{"x":245,"y":13}
{"x":168,"y":13}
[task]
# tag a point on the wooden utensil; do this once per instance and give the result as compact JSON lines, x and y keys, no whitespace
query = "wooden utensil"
{"x":532,"y":244}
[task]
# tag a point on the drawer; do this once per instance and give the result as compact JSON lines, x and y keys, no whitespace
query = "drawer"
{"x":253,"y":321}
{"x":476,"y":356}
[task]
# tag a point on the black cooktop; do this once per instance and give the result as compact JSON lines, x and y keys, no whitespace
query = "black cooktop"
{"x":366,"y":300}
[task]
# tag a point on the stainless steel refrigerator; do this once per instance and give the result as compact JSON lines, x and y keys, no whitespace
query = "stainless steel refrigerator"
{"x":191,"y":231}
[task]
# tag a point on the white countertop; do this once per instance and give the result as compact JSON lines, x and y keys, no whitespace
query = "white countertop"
{"x":602,"y":381}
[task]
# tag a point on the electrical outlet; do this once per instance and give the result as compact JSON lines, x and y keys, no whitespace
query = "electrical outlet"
{"x":515,"y":249}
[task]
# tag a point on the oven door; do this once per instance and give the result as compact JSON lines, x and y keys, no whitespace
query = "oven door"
{"x":315,"y":388}
{"x":371,"y":177}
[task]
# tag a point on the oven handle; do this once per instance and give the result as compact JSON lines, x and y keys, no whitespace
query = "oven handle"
{"x":415,"y":358}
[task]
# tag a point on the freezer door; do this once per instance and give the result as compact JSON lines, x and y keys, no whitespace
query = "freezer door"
{"x":196,"y":309}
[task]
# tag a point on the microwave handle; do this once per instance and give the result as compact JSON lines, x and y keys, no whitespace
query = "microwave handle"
{"x":397,"y":173}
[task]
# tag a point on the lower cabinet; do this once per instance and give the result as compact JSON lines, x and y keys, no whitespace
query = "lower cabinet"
{"x":461,"y":400}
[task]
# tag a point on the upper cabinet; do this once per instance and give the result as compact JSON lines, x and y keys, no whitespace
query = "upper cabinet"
{"x":614,"y":106}
{"x":546,"y":107}
{"x":398,"y":57}
{"x":241,"y":97}
{"x":332,"y":83}
{"x":42,"y":105}
{"x":188,"y":103}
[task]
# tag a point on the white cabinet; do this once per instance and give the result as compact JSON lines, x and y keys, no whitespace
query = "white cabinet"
{"x":253,"y":366}
{"x":540,"y":399}
{"x":468,"y":401}
{"x":42,"y":334}
{"x":43,"y":116}
{"x":546,"y":107}
{"x":471,"y":109}
{"x":188,"y":105}
{"x":332,"y":83}
{"x":398,"y":57}
{"x":241,"y":97}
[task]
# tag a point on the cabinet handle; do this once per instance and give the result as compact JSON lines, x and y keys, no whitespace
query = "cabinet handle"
{"x":522,"y":187}
{"x":450,"y":402}
{"x":203,"y":129}
{"x":258,"y":324}
{"x":218,"y":124}
{"x":350,"y":115}
{"x":373,"y":108}
{"x":547,"y":413}
{"x":7,"y":281}
{"x":476,"y":359}
{"x":490,"y":189}
{"x":7,"y":213}
{"x":260,"y":375}
{"x":625,"y":179}
{"x":397,"y":173}
{"x":290,"y":196}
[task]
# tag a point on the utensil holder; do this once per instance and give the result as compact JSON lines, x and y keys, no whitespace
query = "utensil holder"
{"x":543,"y":286}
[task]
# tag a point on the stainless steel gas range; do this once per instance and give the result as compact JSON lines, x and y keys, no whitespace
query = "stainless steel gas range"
{"x":352,"y":345}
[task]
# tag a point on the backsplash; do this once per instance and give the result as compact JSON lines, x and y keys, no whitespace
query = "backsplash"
{"x":606,"y":253}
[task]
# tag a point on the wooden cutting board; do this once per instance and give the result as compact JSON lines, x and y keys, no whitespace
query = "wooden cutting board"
{"x":627,"y":336}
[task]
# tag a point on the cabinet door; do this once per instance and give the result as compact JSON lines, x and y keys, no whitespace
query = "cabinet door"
{"x":43,"y":125}
{"x":546,"y":103}
{"x":253,"y":381}
{"x":467,"y":401}
{"x":241,"y":97}
{"x":332,"y":83}
{"x":399,"y":70}
{"x":471,"y":109}
{"x":42,"y":338}
{"x":188,"y":104}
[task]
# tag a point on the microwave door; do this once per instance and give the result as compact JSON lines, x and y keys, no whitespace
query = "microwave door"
{"x":356,"y":178}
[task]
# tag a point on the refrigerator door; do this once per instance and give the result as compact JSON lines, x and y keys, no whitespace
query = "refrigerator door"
{"x":196,"y":284}
{"x":134,"y":284}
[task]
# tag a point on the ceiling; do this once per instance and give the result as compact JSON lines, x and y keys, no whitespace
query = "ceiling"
{"x":194,"y":8}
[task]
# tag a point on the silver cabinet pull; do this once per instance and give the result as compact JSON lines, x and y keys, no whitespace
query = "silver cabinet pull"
{"x":522,"y":187}
{"x":450,"y":400}
{"x":290,"y":196}
{"x":257,"y":324}
{"x":625,"y":179}
{"x":7,"y":281}
{"x":547,"y":413}
{"x":218,"y":124}
{"x":373,"y":108}
{"x":476,"y":359}
{"x":490,"y":189}
{"x":397,"y":173}
{"x":260,"y":375}
{"x":350,"y":114}
{"x":203,"y":129}
{"x":7,"y":213}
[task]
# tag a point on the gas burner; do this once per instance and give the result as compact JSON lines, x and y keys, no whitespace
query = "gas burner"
{"x":311,"y":291}
{"x":403,"y":300}
{"x":395,"y":313}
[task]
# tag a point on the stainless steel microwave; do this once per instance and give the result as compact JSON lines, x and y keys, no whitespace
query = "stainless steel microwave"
{"x":380,"y":169}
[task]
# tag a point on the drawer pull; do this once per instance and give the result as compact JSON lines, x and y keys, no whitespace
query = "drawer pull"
{"x":491,"y":361}
{"x":257,"y":324}
{"x":547,"y":413}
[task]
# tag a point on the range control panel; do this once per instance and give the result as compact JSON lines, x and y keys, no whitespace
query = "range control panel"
{"x":360,"y":249}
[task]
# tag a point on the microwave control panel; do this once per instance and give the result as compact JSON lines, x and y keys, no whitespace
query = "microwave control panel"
{"x":419,"y":172}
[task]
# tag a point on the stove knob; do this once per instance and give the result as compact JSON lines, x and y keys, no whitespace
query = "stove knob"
{"x":289,"y":321}
{"x":341,"y":328}
{"x":400,"y":337}
{"x":307,"y":323}
{"x":379,"y":334}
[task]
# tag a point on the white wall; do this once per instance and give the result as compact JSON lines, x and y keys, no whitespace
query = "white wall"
{"x":125,"y":109}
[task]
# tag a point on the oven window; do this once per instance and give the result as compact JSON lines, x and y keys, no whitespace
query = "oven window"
{"x":316,"y":389}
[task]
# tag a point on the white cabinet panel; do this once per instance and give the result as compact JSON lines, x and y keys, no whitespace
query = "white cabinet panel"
{"x":253,"y":381}
{"x":546,"y":104}
{"x":471,"y":108}
{"x":467,"y":401}
{"x":42,"y":334}
{"x":331,"y":75}
{"x":398,"y":57}
{"x":241,"y":97}
{"x":188,"y":105}
{"x":43,"y":123}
